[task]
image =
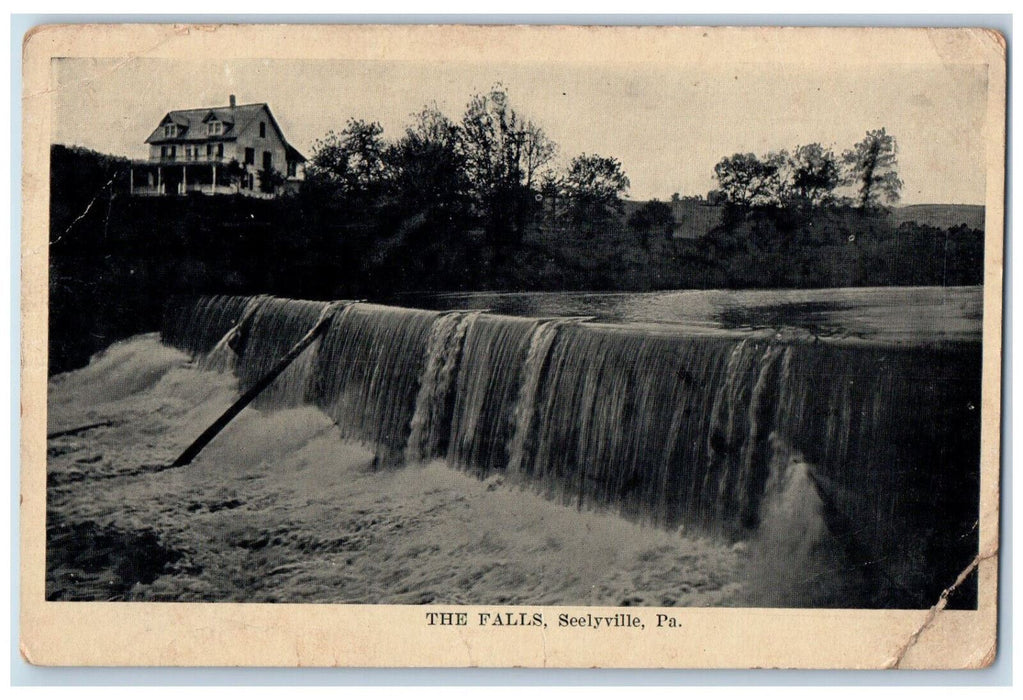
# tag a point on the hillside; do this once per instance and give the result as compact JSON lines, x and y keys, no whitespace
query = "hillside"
{"x":694,"y":219}
{"x":941,"y":215}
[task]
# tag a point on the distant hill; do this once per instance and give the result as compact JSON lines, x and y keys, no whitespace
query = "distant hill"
{"x":694,"y":219}
{"x":942,"y":215}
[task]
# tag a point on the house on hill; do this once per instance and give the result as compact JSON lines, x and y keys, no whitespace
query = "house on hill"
{"x":218,"y":150}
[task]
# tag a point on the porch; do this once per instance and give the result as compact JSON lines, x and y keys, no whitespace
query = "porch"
{"x":170,"y":178}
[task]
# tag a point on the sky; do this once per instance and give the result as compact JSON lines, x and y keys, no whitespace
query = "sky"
{"x":668,"y":126}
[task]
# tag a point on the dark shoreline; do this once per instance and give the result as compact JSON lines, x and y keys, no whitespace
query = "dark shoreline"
{"x":115,"y":259}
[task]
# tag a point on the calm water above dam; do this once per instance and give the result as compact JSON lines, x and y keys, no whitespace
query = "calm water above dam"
{"x":903,"y":315}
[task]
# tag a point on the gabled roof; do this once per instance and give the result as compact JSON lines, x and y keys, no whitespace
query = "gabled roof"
{"x":235,"y":119}
{"x":292,"y":153}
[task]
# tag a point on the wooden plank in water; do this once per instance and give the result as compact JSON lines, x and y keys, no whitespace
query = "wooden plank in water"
{"x":245,"y":399}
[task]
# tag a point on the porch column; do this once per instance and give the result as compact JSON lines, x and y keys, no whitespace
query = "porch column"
{"x":213,"y":187}
{"x":184,"y":179}
{"x":159,"y":180}
{"x":131,"y":180}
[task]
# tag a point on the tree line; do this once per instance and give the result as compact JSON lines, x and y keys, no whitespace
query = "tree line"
{"x":492,"y":175}
{"x":809,"y":176}
{"x":483,"y":203}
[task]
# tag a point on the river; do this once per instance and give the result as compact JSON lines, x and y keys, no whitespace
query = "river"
{"x":811,"y":448}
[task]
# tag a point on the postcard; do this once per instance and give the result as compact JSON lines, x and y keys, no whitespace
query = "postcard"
{"x":542,"y":346}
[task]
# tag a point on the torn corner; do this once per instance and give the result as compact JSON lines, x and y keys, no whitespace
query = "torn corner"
{"x":988,"y":658}
{"x":932,"y":615}
{"x":25,"y":653}
{"x":996,"y":37}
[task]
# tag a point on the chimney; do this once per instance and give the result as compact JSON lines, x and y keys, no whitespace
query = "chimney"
{"x":232,"y":100}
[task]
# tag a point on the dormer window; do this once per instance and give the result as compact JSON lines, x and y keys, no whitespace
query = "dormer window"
{"x":170,"y":130}
{"x":215,"y":128}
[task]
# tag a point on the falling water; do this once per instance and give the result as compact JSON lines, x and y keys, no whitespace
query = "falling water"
{"x":367,"y":373}
{"x":487,"y":386}
{"x":266,"y":336}
{"x":874,"y":446}
{"x":525,"y":404}
{"x":196,"y":324}
{"x":432,"y":414}
{"x":223,"y":357}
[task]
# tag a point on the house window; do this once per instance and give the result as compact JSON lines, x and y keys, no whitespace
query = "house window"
{"x":173,"y":152}
{"x":262,"y":130}
{"x":170,"y":130}
{"x":163,"y":151}
{"x":292,"y":168}
{"x":220,"y":150}
{"x":268,"y":160}
{"x":215,"y":128}
{"x":250,"y":156}
{"x":209,"y":150}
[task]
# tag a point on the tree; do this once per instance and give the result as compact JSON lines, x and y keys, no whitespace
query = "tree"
{"x":748,"y":181}
{"x":815,"y":174}
{"x":423,"y":216}
{"x":503,"y":156}
{"x":270,"y":180}
{"x":552,"y":184}
{"x":426,"y":167}
{"x":537,"y":153}
{"x":592,"y":189}
{"x":352,"y":159}
{"x":872,"y":165}
{"x":234,"y":173}
{"x":652,"y":216}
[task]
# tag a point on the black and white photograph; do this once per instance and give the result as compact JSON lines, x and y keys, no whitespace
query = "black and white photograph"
{"x":575,"y":343}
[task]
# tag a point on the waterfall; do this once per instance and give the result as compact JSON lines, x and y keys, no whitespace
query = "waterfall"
{"x":267,"y":335}
{"x":431,"y":417}
{"x":196,"y":324}
{"x":876,"y":446}
{"x":367,"y":373}
{"x":525,"y":404}
{"x":487,"y":386}
{"x":223,"y":357}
